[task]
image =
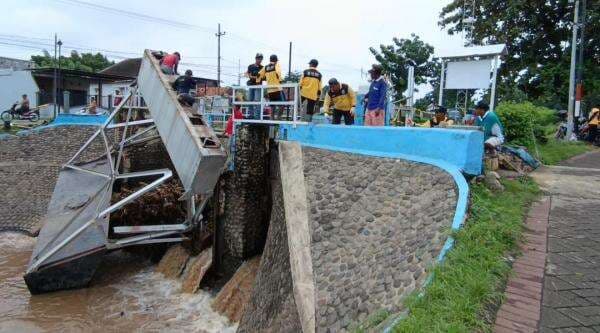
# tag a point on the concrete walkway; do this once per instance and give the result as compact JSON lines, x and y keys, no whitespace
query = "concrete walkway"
{"x":570,"y":299}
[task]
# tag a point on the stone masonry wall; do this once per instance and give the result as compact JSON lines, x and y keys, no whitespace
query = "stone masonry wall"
{"x":272,"y":307}
{"x":29,"y":166}
{"x":376,"y":225}
{"x":247,"y":202}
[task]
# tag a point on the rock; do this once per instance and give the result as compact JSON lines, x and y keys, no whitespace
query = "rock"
{"x":492,"y":181}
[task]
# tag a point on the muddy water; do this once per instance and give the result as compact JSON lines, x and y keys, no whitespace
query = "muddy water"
{"x":126,"y":295}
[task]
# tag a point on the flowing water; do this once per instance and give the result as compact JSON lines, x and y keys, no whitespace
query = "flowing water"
{"x":126,"y":295}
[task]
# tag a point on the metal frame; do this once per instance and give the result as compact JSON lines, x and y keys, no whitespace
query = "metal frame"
{"x":262,"y":103}
{"x":144,"y":234}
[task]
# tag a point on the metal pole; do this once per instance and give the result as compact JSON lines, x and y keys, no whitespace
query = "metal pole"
{"x":442,"y":77}
{"x":571,"y":101}
{"x":579,"y":87}
{"x":494,"y":79}
{"x":239,"y":73}
{"x":290,"y":61}
{"x":219,"y":34}
{"x":54,"y":82}
{"x":58,"y":81}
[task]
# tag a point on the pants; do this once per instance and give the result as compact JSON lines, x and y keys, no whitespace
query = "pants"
{"x":276,"y":96}
{"x":592,"y":133}
{"x":186,"y":99}
{"x":337,"y":117}
{"x":254,"y":96}
{"x":308,"y":108}
{"x":167,"y":70}
{"x":373,"y":120}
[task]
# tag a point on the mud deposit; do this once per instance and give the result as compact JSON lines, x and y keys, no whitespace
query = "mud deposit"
{"x":126,"y":295}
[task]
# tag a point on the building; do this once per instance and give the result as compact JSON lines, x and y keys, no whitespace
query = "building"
{"x":15,"y":64}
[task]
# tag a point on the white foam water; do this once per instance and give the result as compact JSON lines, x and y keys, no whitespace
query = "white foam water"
{"x":126,"y":295}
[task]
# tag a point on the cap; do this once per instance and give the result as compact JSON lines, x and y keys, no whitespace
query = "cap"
{"x":333,"y":82}
{"x":259,"y":55}
{"x":482,"y":105}
{"x":376,"y":68}
{"x":313,"y":62}
{"x":273,"y":57}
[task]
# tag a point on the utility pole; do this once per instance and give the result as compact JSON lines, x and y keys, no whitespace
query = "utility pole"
{"x":579,"y":86}
{"x":54,"y":83}
{"x":570,"y":109}
{"x":219,"y":34}
{"x":59,"y":43}
{"x":239,"y":72}
{"x":290,"y":62}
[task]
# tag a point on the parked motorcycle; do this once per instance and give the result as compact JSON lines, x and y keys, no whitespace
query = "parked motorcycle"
{"x":14,"y":114}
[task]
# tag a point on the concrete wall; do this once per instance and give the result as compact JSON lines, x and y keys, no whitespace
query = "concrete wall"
{"x":13,"y":84}
{"x":461,"y":148}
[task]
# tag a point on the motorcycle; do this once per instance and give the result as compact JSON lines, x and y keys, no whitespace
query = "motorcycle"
{"x":14,"y":114}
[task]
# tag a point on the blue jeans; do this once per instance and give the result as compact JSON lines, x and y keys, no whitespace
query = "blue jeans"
{"x":254,"y":96}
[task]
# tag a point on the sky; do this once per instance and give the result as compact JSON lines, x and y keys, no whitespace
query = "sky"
{"x":337,"y":33}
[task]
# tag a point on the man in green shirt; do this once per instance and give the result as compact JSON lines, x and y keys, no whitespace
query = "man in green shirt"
{"x":493,"y":133}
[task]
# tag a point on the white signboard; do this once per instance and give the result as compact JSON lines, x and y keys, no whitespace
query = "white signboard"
{"x":475,"y":74}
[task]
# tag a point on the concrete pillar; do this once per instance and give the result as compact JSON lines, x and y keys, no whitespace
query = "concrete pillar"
{"x":66,"y":101}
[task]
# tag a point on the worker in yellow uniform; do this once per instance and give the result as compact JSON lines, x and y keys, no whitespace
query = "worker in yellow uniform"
{"x":440,"y":119}
{"x":344,"y":101}
{"x":593,"y":123}
{"x":310,"y":89}
{"x":272,"y":74}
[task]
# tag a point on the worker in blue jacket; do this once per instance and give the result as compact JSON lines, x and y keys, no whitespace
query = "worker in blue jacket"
{"x":375,"y":115}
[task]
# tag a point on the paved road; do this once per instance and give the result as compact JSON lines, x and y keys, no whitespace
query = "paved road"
{"x":571,"y":295}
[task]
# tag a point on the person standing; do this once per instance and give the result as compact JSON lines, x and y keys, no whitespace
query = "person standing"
{"x":376,"y":98}
{"x":169,"y":63}
{"x":310,"y":90}
{"x":593,"y":122}
{"x":272,"y":74}
{"x":253,"y":80}
{"x":493,"y":135}
{"x":344,"y":101}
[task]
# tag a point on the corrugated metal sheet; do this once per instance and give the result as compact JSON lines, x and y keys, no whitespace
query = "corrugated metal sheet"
{"x":194,"y":148}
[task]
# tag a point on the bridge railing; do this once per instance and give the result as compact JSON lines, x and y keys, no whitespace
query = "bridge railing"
{"x":264,"y":104}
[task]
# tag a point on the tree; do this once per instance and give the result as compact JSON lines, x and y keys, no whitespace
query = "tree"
{"x":293,"y":78}
{"x":396,"y":58}
{"x":537,"y":35}
{"x":85,"y":62}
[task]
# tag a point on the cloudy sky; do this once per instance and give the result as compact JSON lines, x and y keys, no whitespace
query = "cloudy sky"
{"x":337,"y":33}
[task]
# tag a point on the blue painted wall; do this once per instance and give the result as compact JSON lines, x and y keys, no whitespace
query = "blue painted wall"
{"x":461,"y":148}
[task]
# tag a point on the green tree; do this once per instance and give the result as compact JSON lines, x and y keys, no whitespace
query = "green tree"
{"x":293,"y":78}
{"x":88,"y":62}
{"x":537,"y":35}
{"x":396,"y":58}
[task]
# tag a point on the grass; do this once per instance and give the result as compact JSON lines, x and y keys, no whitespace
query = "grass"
{"x":467,"y":287}
{"x":556,"y":151}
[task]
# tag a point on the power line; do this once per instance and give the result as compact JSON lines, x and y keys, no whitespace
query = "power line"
{"x":183,"y":25}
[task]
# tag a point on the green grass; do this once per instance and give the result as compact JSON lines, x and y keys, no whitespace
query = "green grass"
{"x":467,"y":286}
{"x":556,"y":151}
